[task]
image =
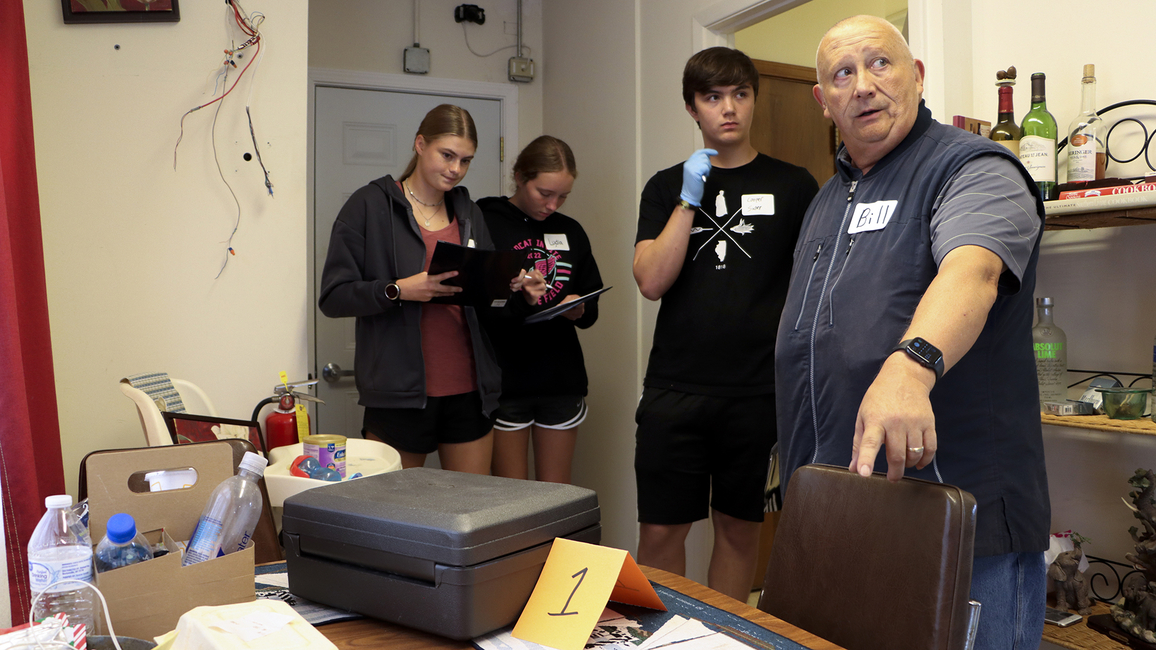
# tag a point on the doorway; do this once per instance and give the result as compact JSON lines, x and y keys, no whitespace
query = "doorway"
{"x":788,"y":123}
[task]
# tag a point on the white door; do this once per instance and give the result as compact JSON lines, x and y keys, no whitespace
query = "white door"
{"x":361,"y":135}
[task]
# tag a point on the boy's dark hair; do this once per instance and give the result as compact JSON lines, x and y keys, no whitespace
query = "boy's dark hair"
{"x":717,"y":66}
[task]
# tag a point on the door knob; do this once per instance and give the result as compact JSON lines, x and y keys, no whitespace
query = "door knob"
{"x":332,"y":373}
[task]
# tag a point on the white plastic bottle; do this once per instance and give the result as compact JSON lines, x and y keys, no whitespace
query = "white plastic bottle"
{"x":57,"y":552}
{"x":227,"y":523}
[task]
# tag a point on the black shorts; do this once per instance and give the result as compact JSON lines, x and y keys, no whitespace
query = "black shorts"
{"x":547,"y":412}
{"x":696,"y":452}
{"x":444,"y":420}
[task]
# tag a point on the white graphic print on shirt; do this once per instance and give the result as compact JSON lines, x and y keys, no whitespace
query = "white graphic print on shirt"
{"x":722,"y":224}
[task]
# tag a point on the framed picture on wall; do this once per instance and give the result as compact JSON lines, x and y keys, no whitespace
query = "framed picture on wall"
{"x":187,"y":427}
{"x":120,"y":11}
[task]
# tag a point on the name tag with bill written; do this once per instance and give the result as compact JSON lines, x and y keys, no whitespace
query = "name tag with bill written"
{"x":871,"y":216}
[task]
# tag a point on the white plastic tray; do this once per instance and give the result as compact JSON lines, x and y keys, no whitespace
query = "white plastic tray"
{"x":366,"y":456}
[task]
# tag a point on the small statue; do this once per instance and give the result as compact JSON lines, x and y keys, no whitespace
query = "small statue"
{"x":1071,"y":587}
{"x":1006,"y":77}
{"x":1135,"y":612}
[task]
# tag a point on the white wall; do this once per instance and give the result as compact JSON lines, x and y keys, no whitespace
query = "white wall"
{"x":371,"y":35}
{"x":131,"y":247}
{"x":597,"y":114}
{"x":1104,"y":281}
{"x":793,"y":37}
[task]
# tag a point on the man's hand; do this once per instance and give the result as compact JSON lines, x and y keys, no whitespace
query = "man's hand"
{"x":423,"y":286}
{"x":896,"y":415}
{"x":532,"y":285}
{"x":574,"y":313}
{"x":694,"y":173}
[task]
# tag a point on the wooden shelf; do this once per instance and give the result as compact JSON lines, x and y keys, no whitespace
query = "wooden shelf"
{"x":1105,"y":219}
{"x":1144,"y":426}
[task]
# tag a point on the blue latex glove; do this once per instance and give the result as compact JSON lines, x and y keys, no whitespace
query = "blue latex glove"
{"x":694,"y":173}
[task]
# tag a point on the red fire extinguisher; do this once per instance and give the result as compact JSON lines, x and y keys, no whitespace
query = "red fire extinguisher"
{"x":281,"y":426}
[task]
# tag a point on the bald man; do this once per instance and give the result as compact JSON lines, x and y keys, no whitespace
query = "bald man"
{"x":905,"y":344}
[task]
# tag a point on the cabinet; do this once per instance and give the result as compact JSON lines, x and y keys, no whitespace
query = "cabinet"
{"x":1079,"y":636}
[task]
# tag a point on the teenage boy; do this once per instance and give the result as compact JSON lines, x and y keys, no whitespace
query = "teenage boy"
{"x":715,"y":241}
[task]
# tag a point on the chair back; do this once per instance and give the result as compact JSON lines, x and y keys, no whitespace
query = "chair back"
{"x":152,"y":422}
{"x":868,"y":564}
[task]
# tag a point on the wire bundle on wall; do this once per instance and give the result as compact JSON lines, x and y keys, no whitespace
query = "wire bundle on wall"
{"x":249,"y":24}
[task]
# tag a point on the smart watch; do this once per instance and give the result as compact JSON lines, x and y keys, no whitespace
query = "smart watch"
{"x":393,"y":292}
{"x":924,"y":353}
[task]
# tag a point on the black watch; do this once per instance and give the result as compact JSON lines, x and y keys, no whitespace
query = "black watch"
{"x":924,"y":353}
{"x":393,"y":292}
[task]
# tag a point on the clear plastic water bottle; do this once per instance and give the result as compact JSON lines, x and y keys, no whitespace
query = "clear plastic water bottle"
{"x":228,"y":520}
{"x":58,"y":551}
{"x":121,"y":545}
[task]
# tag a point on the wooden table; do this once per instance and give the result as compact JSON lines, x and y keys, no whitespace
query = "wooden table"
{"x":371,"y":633}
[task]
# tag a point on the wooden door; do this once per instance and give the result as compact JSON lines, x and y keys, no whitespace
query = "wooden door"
{"x":789,"y":123}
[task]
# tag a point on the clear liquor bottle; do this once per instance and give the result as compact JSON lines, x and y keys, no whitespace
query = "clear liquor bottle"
{"x":1087,"y":159}
{"x":1006,"y":131}
{"x":1050,"y":345}
{"x":1038,"y":144}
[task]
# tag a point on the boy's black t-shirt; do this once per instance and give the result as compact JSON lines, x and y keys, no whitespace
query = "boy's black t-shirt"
{"x":717,"y":324}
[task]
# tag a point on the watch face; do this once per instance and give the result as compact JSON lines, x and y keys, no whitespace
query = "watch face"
{"x":925,"y":350}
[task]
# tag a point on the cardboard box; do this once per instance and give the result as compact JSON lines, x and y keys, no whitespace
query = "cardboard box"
{"x":147,"y":599}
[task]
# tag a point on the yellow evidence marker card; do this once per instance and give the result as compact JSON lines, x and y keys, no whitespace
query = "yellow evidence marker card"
{"x":576,"y":583}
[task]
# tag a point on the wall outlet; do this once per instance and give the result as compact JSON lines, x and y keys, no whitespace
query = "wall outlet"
{"x":416,"y":60}
{"x":521,"y":69}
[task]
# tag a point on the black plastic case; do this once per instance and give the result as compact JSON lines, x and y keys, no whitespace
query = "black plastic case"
{"x":449,"y":553}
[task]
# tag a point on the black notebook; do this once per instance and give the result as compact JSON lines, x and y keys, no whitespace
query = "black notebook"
{"x":483,"y":275}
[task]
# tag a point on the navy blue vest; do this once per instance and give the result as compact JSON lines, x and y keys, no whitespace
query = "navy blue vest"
{"x":848,"y":306}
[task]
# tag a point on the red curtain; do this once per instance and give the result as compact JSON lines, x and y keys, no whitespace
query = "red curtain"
{"x":30,"y":461}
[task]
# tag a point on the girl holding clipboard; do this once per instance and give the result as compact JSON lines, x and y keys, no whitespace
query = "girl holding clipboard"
{"x":544,"y":380}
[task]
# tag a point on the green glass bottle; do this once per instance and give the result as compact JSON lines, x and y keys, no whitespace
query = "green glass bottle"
{"x":1038,"y":143}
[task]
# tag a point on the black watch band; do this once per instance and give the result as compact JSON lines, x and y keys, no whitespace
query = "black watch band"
{"x":924,"y":353}
{"x":393,"y":292}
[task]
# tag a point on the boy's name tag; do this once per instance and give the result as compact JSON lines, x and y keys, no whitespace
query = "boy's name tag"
{"x":871,"y":216}
{"x":557,"y":243}
{"x":758,"y":204}
{"x":470,"y":243}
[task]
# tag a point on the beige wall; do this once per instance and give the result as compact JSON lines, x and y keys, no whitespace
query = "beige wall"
{"x":1104,"y":281}
{"x":131,"y":247}
{"x":597,"y":114}
{"x":792,"y":37}
{"x":370,"y":36}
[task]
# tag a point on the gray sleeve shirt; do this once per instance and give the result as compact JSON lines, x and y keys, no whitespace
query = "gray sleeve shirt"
{"x":987,"y":204}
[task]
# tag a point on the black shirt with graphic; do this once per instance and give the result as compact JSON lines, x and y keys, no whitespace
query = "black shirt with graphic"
{"x":543,"y":358}
{"x":716,"y":326}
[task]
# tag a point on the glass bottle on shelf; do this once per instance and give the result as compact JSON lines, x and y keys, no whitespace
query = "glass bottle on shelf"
{"x":1038,"y":144}
{"x":1006,"y":131}
{"x":1050,"y":345}
{"x":1087,"y":159}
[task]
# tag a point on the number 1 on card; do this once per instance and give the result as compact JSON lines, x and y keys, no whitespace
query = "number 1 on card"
{"x":580,"y":575}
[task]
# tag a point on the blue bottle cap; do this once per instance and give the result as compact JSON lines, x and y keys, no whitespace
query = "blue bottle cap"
{"x":121,"y":528}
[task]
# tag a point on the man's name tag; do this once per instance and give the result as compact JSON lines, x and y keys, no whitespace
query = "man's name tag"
{"x":758,"y":204}
{"x":871,"y":216}
{"x":470,"y":243}
{"x":557,"y":243}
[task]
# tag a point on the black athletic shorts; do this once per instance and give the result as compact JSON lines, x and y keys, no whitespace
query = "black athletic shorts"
{"x":444,"y":420}
{"x":697,"y":452}
{"x":547,"y":412}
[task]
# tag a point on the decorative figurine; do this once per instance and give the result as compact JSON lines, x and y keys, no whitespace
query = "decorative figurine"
{"x":1071,"y":587}
{"x":1135,"y":613}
